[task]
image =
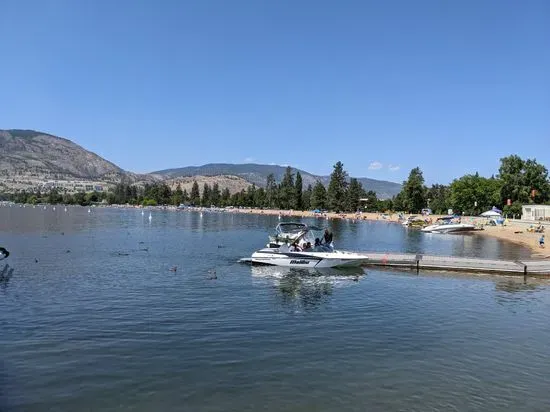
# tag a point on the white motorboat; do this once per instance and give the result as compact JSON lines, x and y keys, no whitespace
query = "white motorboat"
{"x":448,"y":224}
{"x":296,"y":245}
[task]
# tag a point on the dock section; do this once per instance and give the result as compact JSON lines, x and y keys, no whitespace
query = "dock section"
{"x":539,"y":268}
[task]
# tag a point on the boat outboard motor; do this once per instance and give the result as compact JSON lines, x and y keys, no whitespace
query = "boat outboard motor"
{"x":3,"y":253}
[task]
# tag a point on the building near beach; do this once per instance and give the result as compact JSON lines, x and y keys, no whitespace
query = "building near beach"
{"x":535,"y":212}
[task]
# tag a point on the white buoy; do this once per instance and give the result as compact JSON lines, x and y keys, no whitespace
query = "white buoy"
{"x":279,"y":217}
{"x":89,"y":210}
{"x":150,"y":216}
{"x":142,"y":213}
{"x":65,"y":209}
{"x":201,"y":214}
{"x":54,"y":208}
{"x":44,"y":207}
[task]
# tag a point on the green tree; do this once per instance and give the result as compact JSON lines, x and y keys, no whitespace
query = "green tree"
{"x":372,"y":201}
{"x":521,"y":177}
{"x":259,"y":198}
{"x":206,"y":201}
{"x":414,"y":192}
{"x":80,"y":199}
{"x":149,"y":202}
{"x":287,"y":196}
{"x":54,"y":197}
{"x":353,"y":194}
{"x":473,"y":194}
{"x":306,"y":198}
{"x":318,"y":197}
{"x":399,"y":202}
{"x":250,"y":196}
{"x":271,"y":192}
{"x":215,"y":195}
{"x":177,"y":197}
{"x":226,"y":197}
{"x":385,"y":205}
{"x":92,"y":197}
{"x":195,"y":197}
{"x":336,"y":193}
{"x":298,"y":192}
{"x":438,"y":198}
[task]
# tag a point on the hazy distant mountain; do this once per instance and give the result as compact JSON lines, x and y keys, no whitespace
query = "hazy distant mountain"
{"x":29,"y":159}
{"x":41,"y":153}
{"x":257,"y":174}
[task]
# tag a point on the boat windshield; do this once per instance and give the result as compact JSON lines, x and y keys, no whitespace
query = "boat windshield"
{"x":290,"y":228}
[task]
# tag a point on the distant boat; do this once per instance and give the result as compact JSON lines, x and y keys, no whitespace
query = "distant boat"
{"x":89,"y":210}
{"x":54,"y":208}
{"x":65,"y":209}
{"x":150,"y":216}
{"x":142,"y":213}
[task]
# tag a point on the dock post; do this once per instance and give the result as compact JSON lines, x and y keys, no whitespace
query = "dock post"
{"x":524,"y":273}
{"x":418,"y":257}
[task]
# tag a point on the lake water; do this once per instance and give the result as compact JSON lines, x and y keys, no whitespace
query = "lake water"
{"x":92,"y":319}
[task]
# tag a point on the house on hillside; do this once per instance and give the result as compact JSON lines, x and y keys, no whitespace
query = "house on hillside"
{"x":535,"y":212}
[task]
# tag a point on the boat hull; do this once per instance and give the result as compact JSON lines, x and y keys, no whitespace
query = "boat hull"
{"x":452,"y":228}
{"x":273,"y":257}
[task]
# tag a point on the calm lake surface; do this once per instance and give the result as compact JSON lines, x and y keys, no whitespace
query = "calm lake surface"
{"x":92,"y":319}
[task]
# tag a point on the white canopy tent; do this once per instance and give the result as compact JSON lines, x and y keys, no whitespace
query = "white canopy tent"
{"x":490,"y":213}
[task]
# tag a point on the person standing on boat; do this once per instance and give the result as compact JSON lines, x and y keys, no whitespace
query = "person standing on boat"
{"x":328,"y":238}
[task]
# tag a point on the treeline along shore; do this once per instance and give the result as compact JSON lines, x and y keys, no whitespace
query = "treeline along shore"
{"x":517,"y":182}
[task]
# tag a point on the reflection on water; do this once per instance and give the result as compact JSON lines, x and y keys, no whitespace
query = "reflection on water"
{"x":517,"y":285}
{"x":519,"y":292}
{"x":5,"y":275}
{"x":306,"y":288}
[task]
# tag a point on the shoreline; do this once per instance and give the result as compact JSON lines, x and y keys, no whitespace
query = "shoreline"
{"x":513,"y":231}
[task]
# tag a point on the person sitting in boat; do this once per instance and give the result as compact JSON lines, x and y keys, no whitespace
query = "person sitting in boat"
{"x":307,"y":246}
{"x":317,"y":242}
{"x":295,"y":247}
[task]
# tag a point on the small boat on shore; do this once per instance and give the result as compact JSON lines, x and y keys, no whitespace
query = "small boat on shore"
{"x":449,"y":224}
{"x":414,"y":221}
{"x":299,"y":245}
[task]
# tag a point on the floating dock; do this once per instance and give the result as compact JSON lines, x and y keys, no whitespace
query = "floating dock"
{"x":539,"y":268}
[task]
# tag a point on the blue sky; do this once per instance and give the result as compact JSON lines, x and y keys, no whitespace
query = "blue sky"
{"x":450,"y":86}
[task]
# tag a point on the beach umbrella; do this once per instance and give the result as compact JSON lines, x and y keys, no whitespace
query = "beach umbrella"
{"x":490,"y":213}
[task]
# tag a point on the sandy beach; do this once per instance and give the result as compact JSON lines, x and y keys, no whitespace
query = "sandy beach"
{"x":513,"y":231}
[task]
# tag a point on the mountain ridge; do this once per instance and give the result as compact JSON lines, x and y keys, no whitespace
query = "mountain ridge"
{"x":31,"y":159}
{"x":257,"y":173}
